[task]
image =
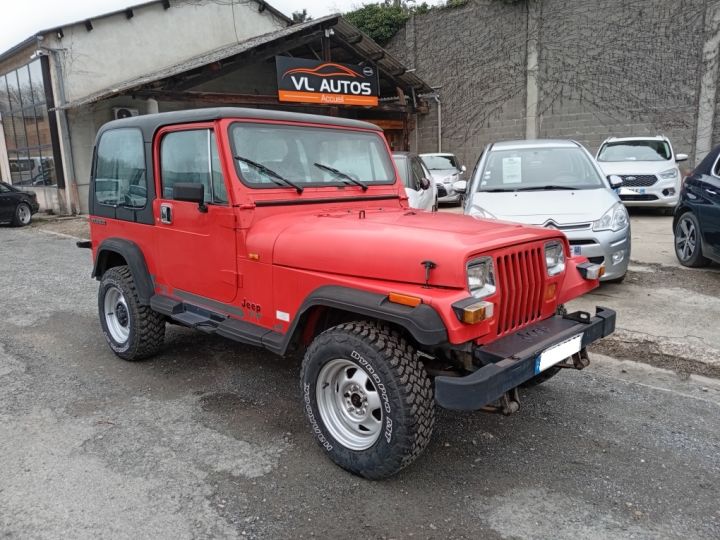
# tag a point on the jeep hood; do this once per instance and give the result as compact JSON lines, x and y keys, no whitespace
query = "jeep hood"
{"x":391,"y":245}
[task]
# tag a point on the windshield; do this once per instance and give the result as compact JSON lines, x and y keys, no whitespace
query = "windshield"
{"x":266,"y":154}
{"x":635,"y":151}
{"x":439,"y":163}
{"x":539,"y":168}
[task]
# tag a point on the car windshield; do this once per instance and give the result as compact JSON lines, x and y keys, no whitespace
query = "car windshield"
{"x":526,"y":169}
{"x":266,"y":153}
{"x":439,"y":163}
{"x":635,"y":151}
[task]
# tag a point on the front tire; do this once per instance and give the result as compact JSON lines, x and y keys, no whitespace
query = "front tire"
{"x":688,"y":246}
{"x":23,"y":215}
{"x":133,"y":331}
{"x":368,"y":398}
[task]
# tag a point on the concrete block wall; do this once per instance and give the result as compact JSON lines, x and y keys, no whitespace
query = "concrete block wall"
{"x":605,"y":68}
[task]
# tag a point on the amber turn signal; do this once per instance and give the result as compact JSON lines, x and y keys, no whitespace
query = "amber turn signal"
{"x":550,"y":291}
{"x":591,"y":271}
{"x":404,"y":299}
{"x":475,"y":313}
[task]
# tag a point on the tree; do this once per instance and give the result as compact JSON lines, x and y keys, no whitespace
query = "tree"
{"x":382,"y":20}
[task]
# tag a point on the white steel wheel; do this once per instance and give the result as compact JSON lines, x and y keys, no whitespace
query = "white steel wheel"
{"x":117,"y":315}
{"x":349,"y":404}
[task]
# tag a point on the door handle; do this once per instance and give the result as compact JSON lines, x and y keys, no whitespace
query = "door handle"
{"x":710,"y":191}
{"x":165,"y":213}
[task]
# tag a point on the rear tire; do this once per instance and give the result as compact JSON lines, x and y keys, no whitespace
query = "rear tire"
{"x":133,"y":331}
{"x":688,"y":245}
{"x":22,"y":216}
{"x":368,"y":398}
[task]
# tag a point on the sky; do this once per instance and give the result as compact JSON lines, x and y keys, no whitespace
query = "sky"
{"x":21,"y":19}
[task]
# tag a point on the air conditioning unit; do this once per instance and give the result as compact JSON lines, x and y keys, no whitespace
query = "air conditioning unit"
{"x":124,"y":112}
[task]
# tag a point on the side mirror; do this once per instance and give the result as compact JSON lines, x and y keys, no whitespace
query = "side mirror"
{"x":615,"y":181}
{"x":460,"y":186}
{"x":190,"y":192}
{"x":463,"y":168}
{"x":681,"y":157}
{"x":425,"y":183}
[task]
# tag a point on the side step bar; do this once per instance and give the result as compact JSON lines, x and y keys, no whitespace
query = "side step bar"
{"x":211,"y":322}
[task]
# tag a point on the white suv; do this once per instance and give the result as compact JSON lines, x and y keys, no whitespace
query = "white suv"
{"x":648,"y":168}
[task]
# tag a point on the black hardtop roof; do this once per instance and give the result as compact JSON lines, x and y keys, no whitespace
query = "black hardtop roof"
{"x":149,"y":123}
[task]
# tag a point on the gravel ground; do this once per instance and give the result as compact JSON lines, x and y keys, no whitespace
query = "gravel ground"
{"x":209,"y":440}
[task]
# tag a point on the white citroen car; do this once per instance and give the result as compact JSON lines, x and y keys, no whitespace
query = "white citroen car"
{"x":648,"y":168}
{"x":445,"y":171}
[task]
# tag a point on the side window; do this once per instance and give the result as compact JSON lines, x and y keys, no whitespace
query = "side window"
{"x":120,"y":178}
{"x":192,"y":157}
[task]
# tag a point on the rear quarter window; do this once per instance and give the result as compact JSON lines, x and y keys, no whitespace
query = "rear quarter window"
{"x":120,"y":175}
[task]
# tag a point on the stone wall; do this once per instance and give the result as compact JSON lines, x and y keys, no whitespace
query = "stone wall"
{"x":604,"y":68}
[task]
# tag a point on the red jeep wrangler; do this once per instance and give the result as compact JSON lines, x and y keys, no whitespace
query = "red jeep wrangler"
{"x":293,"y":233}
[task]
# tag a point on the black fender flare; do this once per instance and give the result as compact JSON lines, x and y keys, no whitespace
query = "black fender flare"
{"x":422,"y":322}
{"x":134,"y":258}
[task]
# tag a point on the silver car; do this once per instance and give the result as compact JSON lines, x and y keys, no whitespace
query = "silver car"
{"x":554,"y":184}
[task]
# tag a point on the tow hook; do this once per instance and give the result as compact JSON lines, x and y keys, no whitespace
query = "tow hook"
{"x":580,"y":360}
{"x":508,"y":404}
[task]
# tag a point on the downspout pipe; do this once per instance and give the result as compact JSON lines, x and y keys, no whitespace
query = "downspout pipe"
{"x":439,"y":121}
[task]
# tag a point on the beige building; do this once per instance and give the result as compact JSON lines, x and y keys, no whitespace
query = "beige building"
{"x":60,"y":85}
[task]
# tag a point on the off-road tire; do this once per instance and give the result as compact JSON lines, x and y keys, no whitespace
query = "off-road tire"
{"x":408,"y":405}
{"x":22,"y":209}
{"x":146,"y":327}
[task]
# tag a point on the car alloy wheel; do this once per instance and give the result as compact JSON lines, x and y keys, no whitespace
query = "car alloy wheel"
{"x":686,"y":239}
{"x":23,"y":214}
{"x":349,"y":404}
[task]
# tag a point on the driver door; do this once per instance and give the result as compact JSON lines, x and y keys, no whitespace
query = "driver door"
{"x":196,"y":245}
{"x":422,"y":184}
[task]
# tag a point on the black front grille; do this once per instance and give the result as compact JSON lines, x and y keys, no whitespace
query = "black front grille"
{"x":639,"y":180}
{"x":632,"y":198}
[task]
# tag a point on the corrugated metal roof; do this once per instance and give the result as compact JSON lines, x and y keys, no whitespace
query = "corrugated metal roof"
{"x":355,"y":39}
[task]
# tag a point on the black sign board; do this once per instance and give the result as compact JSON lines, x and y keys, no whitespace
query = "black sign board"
{"x":328,"y":83}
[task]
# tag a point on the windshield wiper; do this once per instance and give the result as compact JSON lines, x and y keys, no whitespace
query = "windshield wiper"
{"x":341,"y":174}
{"x":497,"y":190}
{"x":272,"y":174}
{"x":548,"y":187}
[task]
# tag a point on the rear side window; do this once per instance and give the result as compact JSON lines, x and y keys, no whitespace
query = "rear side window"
{"x":120,"y":178}
{"x":192,"y":157}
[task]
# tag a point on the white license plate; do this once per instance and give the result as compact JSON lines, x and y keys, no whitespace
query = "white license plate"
{"x":558,"y":353}
{"x":577,"y":250}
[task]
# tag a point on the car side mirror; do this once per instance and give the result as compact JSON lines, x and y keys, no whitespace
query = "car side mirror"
{"x":460,"y":186}
{"x":681,"y":157}
{"x":463,"y":168}
{"x":190,"y":192}
{"x":424,"y":183}
{"x":615,"y":181}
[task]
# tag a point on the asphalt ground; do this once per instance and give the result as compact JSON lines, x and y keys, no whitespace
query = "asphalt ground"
{"x":209,"y":440}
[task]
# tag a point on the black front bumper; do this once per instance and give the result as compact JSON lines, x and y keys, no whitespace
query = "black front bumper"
{"x":513,"y":359}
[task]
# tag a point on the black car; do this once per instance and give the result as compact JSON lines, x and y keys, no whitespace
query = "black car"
{"x":16,"y":206}
{"x":697,"y":216}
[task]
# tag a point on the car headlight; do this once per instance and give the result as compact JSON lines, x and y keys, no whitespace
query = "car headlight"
{"x":615,"y":219}
{"x":554,"y":258}
{"x":669,"y":174}
{"x":481,"y":277}
{"x":450,"y":179}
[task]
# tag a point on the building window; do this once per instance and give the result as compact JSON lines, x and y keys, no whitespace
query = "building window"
{"x":27,"y":127}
